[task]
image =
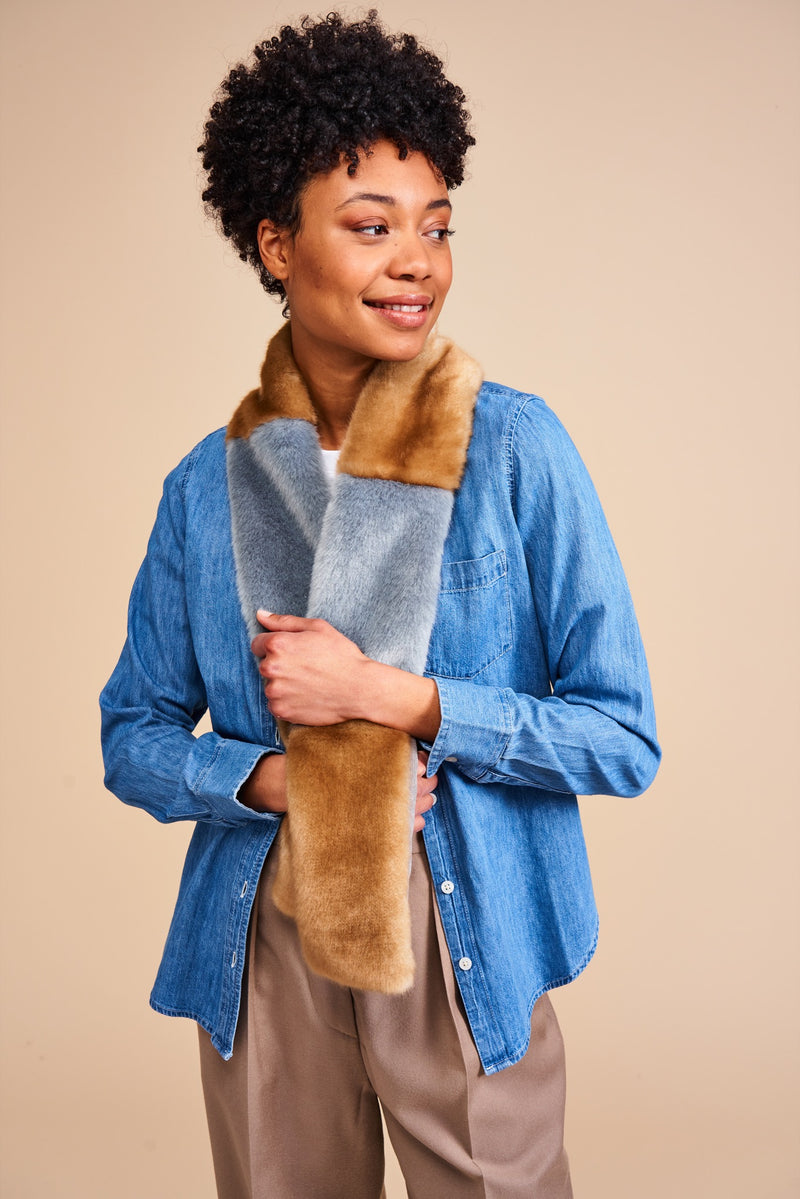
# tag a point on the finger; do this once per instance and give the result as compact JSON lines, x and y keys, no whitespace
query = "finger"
{"x":275,"y":622}
{"x":425,"y":802}
{"x":258,"y":645}
{"x":425,"y":787}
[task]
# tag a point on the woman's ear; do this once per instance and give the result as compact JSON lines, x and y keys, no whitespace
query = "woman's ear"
{"x":273,"y":246}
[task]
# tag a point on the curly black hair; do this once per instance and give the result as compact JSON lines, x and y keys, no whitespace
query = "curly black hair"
{"x":312,"y":97}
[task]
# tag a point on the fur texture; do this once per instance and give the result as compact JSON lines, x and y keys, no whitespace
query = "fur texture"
{"x":344,"y":857}
{"x":384,"y":595}
{"x":282,"y":392}
{"x":414,"y":419}
{"x":367,"y":558}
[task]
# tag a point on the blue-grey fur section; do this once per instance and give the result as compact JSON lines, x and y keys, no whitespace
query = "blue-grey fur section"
{"x":289,"y":451}
{"x":271,"y":548}
{"x":377,"y":566}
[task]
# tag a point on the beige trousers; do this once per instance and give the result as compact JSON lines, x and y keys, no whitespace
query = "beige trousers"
{"x":295,"y":1113}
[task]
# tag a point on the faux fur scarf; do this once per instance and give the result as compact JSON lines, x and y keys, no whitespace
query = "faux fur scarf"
{"x":364,"y":555}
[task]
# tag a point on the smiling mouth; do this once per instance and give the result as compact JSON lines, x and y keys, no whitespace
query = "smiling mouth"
{"x":397,"y":307}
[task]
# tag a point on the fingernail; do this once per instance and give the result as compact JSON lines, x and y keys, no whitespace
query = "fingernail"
{"x":263,"y":612}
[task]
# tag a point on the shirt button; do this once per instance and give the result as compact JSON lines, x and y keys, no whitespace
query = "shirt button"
{"x":233,"y":961}
{"x":448,"y":887}
{"x":465,"y":964}
{"x":243,"y":891}
{"x":452,"y":758}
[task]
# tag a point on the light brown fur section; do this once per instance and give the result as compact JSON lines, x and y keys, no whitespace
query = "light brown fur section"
{"x":344,"y":853}
{"x":282,"y":393}
{"x":412,"y":422}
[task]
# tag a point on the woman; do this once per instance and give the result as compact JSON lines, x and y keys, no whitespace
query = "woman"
{"x":390,"y":584}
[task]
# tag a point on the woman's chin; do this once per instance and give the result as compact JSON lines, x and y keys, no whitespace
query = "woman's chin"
{"x":406,"y":347}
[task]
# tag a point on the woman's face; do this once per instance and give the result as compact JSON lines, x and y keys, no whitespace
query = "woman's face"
{"x":368,"y":271}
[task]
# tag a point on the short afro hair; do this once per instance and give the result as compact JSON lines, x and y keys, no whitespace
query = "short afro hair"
{"x":310,"y":98}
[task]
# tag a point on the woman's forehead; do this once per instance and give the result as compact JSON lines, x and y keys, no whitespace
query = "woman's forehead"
{"x":381,"y":176}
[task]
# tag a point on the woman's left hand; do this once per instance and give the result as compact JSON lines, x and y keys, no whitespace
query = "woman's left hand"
{"x":315,"y":675}
{"x":426,"y":791}
{"x":310,"y":670}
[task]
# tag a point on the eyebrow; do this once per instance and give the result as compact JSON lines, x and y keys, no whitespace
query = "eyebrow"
{"x":377,"y":198}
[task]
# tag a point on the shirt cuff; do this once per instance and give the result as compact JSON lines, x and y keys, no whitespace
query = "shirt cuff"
{"x":217,"y":769}
{"x":475,"y":727}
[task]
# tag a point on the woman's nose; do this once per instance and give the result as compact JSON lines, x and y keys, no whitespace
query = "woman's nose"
{"x":410,"y":258}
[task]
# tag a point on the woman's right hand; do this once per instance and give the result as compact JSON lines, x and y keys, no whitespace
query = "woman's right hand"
{"x":265,"y":789}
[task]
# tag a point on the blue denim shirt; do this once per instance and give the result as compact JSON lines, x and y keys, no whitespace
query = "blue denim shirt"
{"x":544,"y":694}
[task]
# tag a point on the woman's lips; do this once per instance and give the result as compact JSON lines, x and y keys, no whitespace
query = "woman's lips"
{"x":410,"y":312}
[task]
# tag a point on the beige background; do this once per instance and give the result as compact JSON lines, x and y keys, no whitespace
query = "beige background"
{"x":628,"y":247}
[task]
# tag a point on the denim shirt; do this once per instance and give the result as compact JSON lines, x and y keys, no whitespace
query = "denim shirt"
{"x":544,"y":693}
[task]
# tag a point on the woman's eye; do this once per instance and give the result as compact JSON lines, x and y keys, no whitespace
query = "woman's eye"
{"x":380,"y":230}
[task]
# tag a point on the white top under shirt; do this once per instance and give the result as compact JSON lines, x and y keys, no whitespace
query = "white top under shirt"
{"x":329,"y":460}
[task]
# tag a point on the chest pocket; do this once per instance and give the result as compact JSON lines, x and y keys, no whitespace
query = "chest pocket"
{"x":473,"y":617}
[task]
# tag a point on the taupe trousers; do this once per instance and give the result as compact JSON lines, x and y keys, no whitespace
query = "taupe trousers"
{"x":295,"y":1113}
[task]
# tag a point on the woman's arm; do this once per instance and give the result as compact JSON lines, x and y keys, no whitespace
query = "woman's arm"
{"x":156,"y":696}
{"x":596,"y":733}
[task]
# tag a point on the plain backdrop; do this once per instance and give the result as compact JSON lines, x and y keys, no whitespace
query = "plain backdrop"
{"x":627,"y":246}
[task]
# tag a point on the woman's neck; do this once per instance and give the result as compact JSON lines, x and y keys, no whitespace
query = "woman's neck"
{"x":334,"y":377}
